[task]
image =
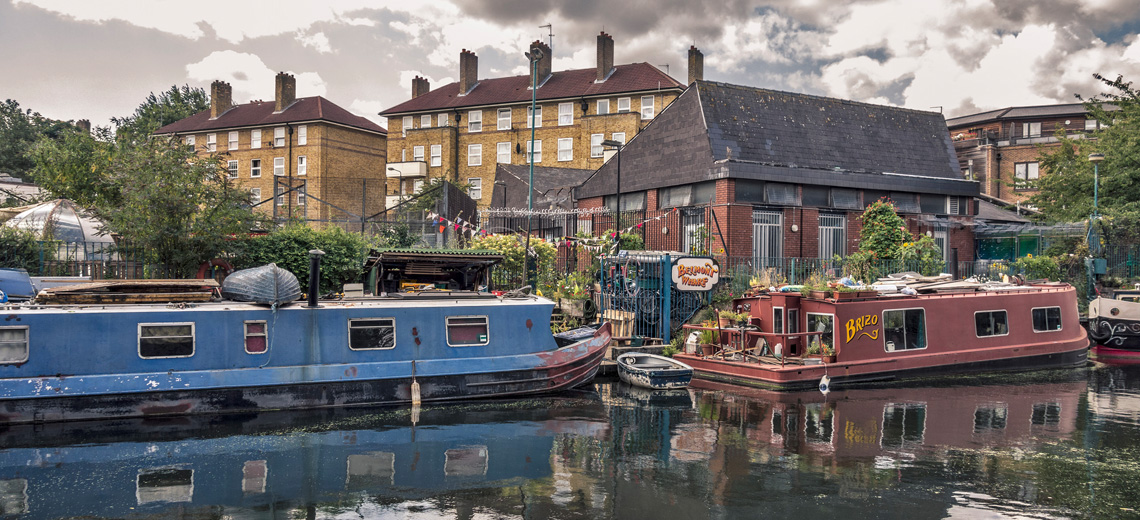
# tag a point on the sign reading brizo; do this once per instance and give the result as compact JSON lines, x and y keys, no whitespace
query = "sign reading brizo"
{"x":695,"y":273}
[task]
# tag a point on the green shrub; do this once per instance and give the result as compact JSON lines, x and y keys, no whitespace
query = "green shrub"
{"x":20,"y":249}
{"x":289,"y":248}
{"x":1038,"y":267}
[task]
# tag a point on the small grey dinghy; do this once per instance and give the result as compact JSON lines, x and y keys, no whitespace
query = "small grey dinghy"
{"x":653,"y":371}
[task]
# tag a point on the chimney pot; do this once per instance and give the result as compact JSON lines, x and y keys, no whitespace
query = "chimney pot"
{"x":468,"y":71}
{"x":543,"y":68}
{"x":605,"y":56}
{"x":696,"y":65}
{"x":84,"y":126}
{"x":221,"y":98}
{"x":420,"y":86}
{"x":285,"y":91}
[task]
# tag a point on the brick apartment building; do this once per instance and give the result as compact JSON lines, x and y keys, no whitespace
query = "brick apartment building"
{"x":773,"y":175}
{"x":462,"y":130}
{"x":324,"y":163}
{"x":1000,"y":148}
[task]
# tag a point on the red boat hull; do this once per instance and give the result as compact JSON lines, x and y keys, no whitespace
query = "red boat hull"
{"x":1115,"y":356}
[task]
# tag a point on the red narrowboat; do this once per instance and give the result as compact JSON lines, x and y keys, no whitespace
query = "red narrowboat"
{"x":792,"y":341}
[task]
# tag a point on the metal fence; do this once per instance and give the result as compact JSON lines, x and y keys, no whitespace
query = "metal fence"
{"x":97,"y":260}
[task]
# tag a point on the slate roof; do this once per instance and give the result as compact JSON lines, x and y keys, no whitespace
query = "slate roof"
{"x":1030,"y":112}
{"x":552,"y":186}
{"x":260,"y":113}
{"x":991,"y":212}
{"x":633,"y":77}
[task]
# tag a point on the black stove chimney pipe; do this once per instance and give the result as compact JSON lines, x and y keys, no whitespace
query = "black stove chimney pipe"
{"x":314,"y":275}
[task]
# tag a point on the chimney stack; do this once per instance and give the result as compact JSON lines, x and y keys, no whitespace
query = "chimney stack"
{"x":285,"y":91}
{"x":696,"y":65}
{"x":543,"y":69}
{"x":221,"y":98}
{"x":468,"y":71}
{"x":420,"y":86}
{"x":84,"y":126}
{"x":605,"y":56}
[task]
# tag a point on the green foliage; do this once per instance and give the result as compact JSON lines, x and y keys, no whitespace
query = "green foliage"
{"x":884,"y":231}
{"x":156,"y":111}
{"x":397,"y":236}
{"x":1038,"y":267}
{"x":19,"y":130}
{"x":923,"y":252}
{"x":574,"y":286}
{"x":511,"y":247}
{"x":289,"y":248}
{"x":77,"y":166}
{"x":674,"y":347}
{"x":19,"y":248}
{"x":627,"y":241}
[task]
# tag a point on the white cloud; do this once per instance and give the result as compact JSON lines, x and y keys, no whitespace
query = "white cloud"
{"x":368,"y":109}
{"x":317,"y":41}
{"x":249,"y":76}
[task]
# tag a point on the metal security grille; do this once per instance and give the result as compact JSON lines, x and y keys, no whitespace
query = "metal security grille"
{"x":767,"y":237}
{"x":832,"y":236}
{"x":692,"y":220}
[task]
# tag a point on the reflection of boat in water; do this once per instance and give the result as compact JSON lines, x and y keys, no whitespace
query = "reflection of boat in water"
{"x":282,"y":460}
{"x":893,"y":421}
{"x":650,"y":397}
{"x":1114,"y":327}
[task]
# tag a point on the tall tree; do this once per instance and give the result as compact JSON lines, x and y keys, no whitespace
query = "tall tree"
{"x":19,"y":130}
{"x":173,"y":104}
{"x":76,"y":167}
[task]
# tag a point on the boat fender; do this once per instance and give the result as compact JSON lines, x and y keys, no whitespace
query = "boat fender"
{"x":825,"y":385}
{"x":1095,"y":332}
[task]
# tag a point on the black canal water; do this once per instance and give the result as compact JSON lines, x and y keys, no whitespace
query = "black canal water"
{"x":1044,"y":445}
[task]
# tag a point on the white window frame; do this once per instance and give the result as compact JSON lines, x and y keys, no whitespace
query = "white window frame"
{"x":436,"y":155}
{"x":302,"y":135}
{"x":475,"y":189}
{"x":393,"y":326}
{"x":27,"y":343}
{"x":301,"y":195}
{"x":596,"y":148}
{"x":417,"y":185}
{"x":991,"y":311}
{"x":405,"y":125}
{"x":211,"y":142}
{"x":623,"y":105}
{"x":1090,"y":125}
{"x":279,"y":166}
{"x":418,"y":153}
{"x":926,"y":330}
{"x":279,"y":136}
{"x":1031,"y":129}
{"x":807,"y":339}
{"x":1046,"y":317}
{"x":1022,"y":173}
{"x":474,"y":121}
{"x":255,"y":196}
{"x":503,"y":119}
{"x":648,"y":109}
{"x":619,"y":137}
{"x":475,"y":151}
{"x":565,"y":114}
{"x":503,"y":153}
{"x":264,"y":334}
{"x":280,"y":196}
{"x":447,"y":330}
{"x":565,"y":149}
{"x":603,"y":107}
{"x":193,"y":338}
{"x":302,"y":165}
{"x":782,"y":322}
{"x":189,"y":140}
{"x":441,"y":119}
{"x":231,"y":169}
{"x":254,"y":168}
{"x":537,"y":151}
{"x":537,"y":117}
{"x":425,"y":121}
{"x":255,"y":139}
{"x":233,"y":141}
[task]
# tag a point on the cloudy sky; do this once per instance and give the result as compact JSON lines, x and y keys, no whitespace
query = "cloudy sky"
{"x":76,"y":59}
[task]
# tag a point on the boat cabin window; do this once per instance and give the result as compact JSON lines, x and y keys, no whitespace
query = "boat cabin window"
{"x":904,"y":329}
{"x":904,"y":425}
{"x":466,"y":331}
{"x":166,"y":340}
{"x":821,"y":323}
{"x":778,"y":320}
{"x":1046,"y":319}
{"x":372,"y":334}
{"x":13,"y":344}
{"x":255,"y":337}
{"x":990,"y":323}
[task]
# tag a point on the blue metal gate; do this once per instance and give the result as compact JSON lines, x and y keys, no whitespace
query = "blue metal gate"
{"x":638,"y":296}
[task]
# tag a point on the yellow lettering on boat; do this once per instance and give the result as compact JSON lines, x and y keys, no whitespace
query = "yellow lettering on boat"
{"x":855,"y":327}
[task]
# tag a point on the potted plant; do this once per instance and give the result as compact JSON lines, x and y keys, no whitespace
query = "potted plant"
{"x":707,"y":339}
{"x":844,"y":292}
{"x":728,"y":318}
{"x":827,"y":353}
{"x":815,"y":286}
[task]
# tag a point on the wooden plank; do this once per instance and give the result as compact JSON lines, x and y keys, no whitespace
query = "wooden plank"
{"x":123,"y":298}
{"x":136,"y":285}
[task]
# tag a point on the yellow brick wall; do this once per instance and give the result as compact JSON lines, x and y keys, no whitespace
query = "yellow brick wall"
{"x":1010,"y":156}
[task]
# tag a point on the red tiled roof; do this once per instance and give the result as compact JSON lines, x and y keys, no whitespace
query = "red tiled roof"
{"x":565,"y":84}
{"x":259,"y":113}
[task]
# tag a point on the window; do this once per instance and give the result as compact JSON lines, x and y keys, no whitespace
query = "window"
{"x":647,"y":107}
{"x":189,"y":140}
{"x":233,"y":144}
{"x":466,"y":331}
{"x":565,"y":150}
{"x":255,"y":337}
{"x":302,"y":165}
{"x":504,"y":119}
{"x":254,"y":168}
{"x":372,"y":334}
{"x":255,"y":139}
{"x":634,"y":201}
{"x":166,"y":340}
{"x":903,"y":425}
{"x":778,"y":320}
{"x":254,"y":196}
{"x":475,"y":121}
{"x":953,"y":205}
{"x":417,"y":153}
{"x":417,"y":185}
{"x":990,"y":323}
{"x":301,"y":196}
{"x":904,"y":329}
{"x":565,"y":114}
{"x":537,"y":154}
{"x":211,"y":142}
{"x":475,"y":188}
{"x":822,"y":323}
{"x":302,"y":135}
{"x":1031,"y":129}
{"x":686,"y":195}
{"x":537,"y":119}
{"x":603,"y":107}
{"x":436,"y":154}
{"x":832,"y":236}
{"x":596,"y":149}
{"x":1046,"y":319}
{"x":231,"y":169}
{"x":1024,"y":174}
{"x":13,"y":344}
{"x":405,"y":125}
{"x":474,"y":155}
{"x":1090,"y":125}
{"x":280,"y":195}
{"x":279,"y":136}
{"x":623,"y":104}
{"x":767,"y":237}
{"x":441,"y":120}
{"x":619,"y":137}
{"x":503,"y":153}
{"x":278,"y":166}
{"x":425,"y":121}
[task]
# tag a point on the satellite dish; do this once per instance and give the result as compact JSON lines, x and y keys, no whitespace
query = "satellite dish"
{"x":825,"y":385}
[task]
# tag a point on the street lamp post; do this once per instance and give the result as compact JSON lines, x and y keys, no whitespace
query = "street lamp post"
{"x":534,"y":56}
{"x":1095,"y":158}
{"x":616,"y":145}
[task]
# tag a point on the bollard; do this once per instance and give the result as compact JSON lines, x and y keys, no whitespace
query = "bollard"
{"x":314,"y":275}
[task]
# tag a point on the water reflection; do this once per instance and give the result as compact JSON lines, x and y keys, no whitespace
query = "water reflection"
{"x":1056,"y":446}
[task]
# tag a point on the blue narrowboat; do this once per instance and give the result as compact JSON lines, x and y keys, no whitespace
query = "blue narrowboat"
{"x":71,"y":362}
